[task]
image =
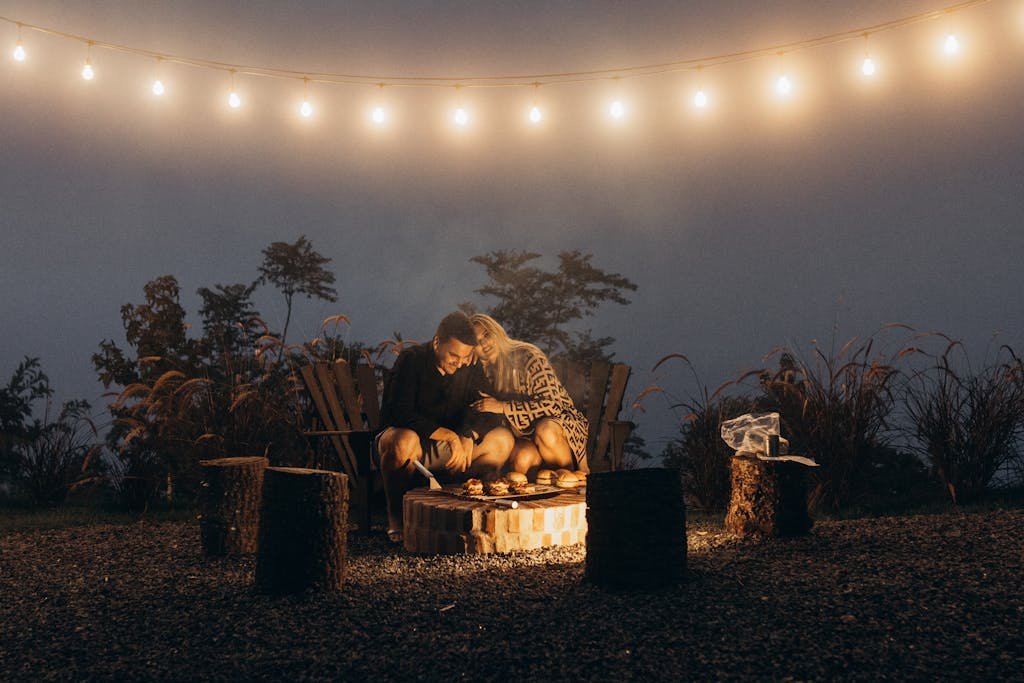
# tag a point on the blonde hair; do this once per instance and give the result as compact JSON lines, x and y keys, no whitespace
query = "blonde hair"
{"x":501,"y":372}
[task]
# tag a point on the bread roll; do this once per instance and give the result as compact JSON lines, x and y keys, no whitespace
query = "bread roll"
{"x":546,"y":477}
{"x":566,"y":480}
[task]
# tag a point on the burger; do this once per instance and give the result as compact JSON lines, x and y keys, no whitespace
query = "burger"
{"x":546,"y":477}
{"x":473,"y":487}
{"x":564,"y":479}
{"x":498,"y":487}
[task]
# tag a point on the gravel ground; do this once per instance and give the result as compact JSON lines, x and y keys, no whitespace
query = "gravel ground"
{"x":901,"y":598}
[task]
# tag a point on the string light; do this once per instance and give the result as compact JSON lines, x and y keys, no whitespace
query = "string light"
{"x":19,"y":49}
{"x":700,"y":98}
{"x":158,"y":85}
{"x":234,"y":101}
{"x":461,"y":116}
{"x":867,"y":67}
{"x":306,"y":109}
{"x":951,"y":46}
{"x":87,"y":72}
{"x":783,"y":86}
{"x":379,"y":115}
{"x":535,"y":114}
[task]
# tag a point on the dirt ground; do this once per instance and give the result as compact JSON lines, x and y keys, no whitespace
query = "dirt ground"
{"x":929,"y":597}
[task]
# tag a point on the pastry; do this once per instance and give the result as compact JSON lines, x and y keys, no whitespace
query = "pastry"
{"x":522,"y":487}
{"x":473,"y":487}
{"x":498,"y":487}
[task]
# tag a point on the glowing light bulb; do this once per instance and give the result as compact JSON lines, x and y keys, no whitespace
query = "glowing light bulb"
{"x":306,"y":109}
{"x":461,"y":117}
{"x":700,"y":99}
{"x":617,"y":110}
{"x":783,"y":86}
{"x":19,"y":52}
{"x":952,"y":44}
{"x":87,"y":72}
{"x":868,"y":67}
{"x":158,"y":87}
{"x":379,"y":116}
{"x":535,"y":115}
{"x":234,"y":101}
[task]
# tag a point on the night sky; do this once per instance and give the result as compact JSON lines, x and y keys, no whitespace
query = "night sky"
{"x":753,"y":224}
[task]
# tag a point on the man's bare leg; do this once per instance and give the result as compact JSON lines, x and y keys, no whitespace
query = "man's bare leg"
{"x":398,"y":449}
{"x":491,"y":454}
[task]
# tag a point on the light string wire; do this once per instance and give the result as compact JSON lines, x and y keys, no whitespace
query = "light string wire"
{"x":513,"y":80}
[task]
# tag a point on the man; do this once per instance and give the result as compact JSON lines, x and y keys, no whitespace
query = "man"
{"x":427,"y":415}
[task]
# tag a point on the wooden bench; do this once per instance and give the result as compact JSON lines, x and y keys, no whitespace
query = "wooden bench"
{"x":347,"y":403}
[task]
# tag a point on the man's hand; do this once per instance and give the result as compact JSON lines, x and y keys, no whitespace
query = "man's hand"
{"x":461,"y":454}
{"x":489,"y":404}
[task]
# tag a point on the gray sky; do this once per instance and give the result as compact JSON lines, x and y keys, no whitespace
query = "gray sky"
{"x":754,"y":224}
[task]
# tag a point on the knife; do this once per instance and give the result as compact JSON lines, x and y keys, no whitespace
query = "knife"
{"x":431,"y":479}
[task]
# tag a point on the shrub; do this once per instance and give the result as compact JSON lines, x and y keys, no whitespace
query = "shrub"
{"x":967,"y":424}
{"x":837,"y":408}
{"x":61,"y":456}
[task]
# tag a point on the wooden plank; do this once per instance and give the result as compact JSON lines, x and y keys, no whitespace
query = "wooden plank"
{"x":367,"y":380}
{"x":313,"y":387}
{"x":347,"y":393}
{"x":620,"y":375}
{"x":599,"y":370}
{"x":574,"y":379}
{"x":348,"y":462}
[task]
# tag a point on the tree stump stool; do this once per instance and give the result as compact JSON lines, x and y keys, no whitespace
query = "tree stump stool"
{"x":229,"y":505}
{"x":636,"y":529}
{"x":440,"y":524}
{"x":768,"y":498}
{"x":303,"y":530}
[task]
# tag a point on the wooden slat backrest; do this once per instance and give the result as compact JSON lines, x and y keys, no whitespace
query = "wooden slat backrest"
{"x":327,"y":416}
{"x":330,"y":389}
{"x":367,"y":380}
{"x":347,"y":394}
{"x":616,"y":390}
{"x":599,"y":370}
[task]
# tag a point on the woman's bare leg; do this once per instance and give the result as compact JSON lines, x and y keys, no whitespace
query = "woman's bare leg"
{"x":525,"y":458}
{"x":491,"y":454}
{"x":552,"y":444}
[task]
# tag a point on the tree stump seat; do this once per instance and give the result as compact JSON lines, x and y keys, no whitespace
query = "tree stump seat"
{"x":229,"y":505}
{"x":440,"y":524}
{"x":768,"y":498}
{"x":303,"y":530}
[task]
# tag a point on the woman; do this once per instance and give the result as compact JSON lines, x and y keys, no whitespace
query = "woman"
{"x":532,"y":399}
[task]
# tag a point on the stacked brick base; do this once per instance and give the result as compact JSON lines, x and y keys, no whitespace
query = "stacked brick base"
{"x":439,"y":524}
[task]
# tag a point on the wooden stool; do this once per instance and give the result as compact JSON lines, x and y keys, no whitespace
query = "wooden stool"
{"x":303,"y":530}
{"x":229,"y":505}
{"x":768,"y":498}
{"x":636,"y":522}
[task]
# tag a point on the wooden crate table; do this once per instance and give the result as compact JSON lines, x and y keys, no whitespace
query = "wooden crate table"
{"x":440,"y":524}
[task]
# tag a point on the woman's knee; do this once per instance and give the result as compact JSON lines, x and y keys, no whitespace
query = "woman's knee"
{"x":549,"y":434}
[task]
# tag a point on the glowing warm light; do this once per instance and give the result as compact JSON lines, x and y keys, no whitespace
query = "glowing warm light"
{"x":700,"y":99}
{"x":87,"y":72}
{"x":234,"y":101}
{"x":868,"y":67}
{"x":461,"y":117}
{"x":306,"y":109}
{"x":617,"y":110}
{"x":379,"y":116}
{"x":952,"y":45}
{"x":535,"y":114}
{"x":158,"y":87}
{"x":19,"y":52}
{"x":783,"y":86}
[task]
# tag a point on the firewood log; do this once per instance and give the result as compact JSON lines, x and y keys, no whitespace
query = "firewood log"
{"x":303,"y":531}
{"x":229,"y":505}
{"x":767,"y":498}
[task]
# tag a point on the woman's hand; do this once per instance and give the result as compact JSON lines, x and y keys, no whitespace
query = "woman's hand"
{"x":489,"y":404}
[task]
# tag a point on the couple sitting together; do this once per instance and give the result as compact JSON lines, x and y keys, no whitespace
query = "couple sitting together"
{"x":472,"y":402}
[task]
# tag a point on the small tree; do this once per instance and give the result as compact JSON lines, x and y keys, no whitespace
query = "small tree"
{"x":538,"y":305}
{"x":297,"y":269}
